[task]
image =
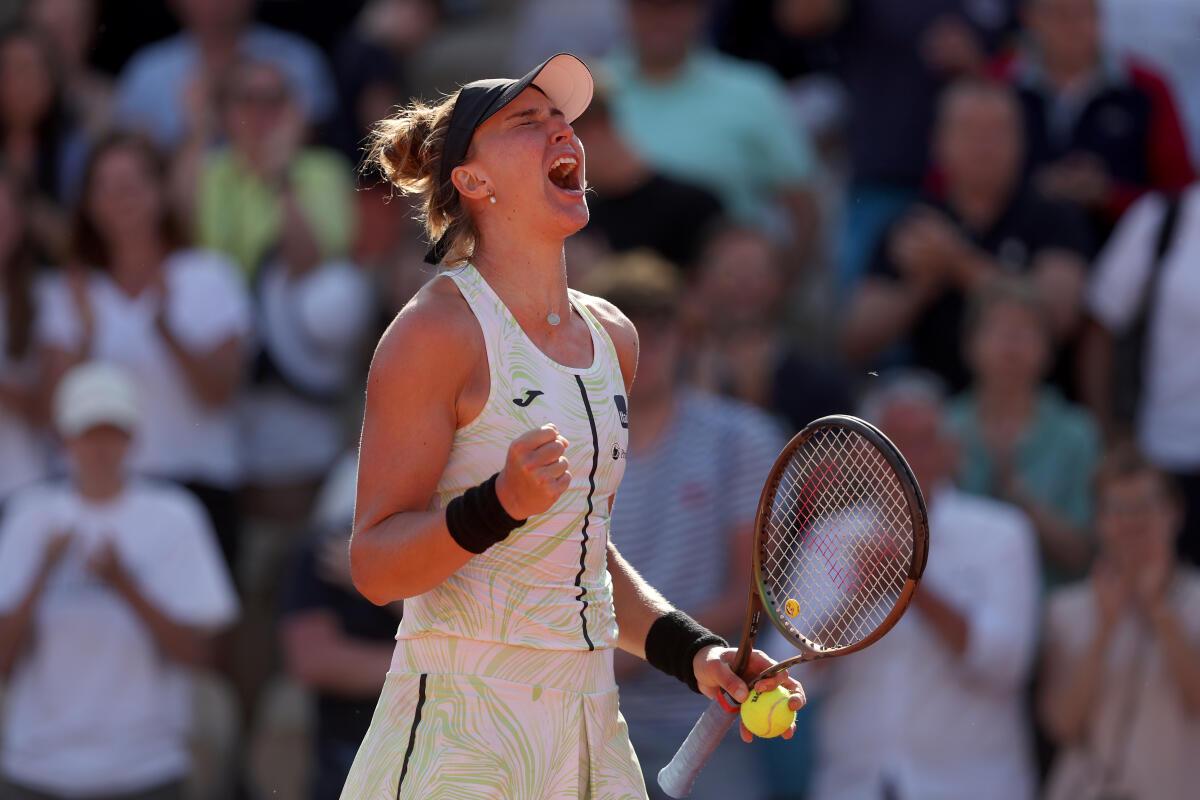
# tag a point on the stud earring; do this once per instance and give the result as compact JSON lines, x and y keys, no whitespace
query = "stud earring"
{"x":492,"y":198}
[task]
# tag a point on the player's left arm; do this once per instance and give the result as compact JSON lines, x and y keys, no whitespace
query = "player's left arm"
{"x":639,"y":605}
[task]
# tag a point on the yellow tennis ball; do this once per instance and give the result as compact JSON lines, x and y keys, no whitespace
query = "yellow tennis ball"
{"x":767,"y":715}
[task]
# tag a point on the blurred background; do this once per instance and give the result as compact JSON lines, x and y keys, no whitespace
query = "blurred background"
{"x":974,"y":221}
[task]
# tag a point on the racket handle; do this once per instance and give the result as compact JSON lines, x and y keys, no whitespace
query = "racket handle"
{"x":676,"y":778}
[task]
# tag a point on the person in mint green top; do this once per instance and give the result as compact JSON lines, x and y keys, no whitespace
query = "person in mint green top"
{"x":1020,"y":440}
{"x":712,"y":120}
{"x":264,"y":194}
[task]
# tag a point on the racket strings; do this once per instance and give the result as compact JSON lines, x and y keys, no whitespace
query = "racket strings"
{"x":838,"y":540}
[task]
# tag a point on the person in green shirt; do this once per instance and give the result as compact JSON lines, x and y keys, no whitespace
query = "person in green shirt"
{"x":1021,"y":441}
{"x":265,"y":194}
{"x":718,"y":122}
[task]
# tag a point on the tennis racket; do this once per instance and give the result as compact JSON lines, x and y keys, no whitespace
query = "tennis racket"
{"x":840,"y":542}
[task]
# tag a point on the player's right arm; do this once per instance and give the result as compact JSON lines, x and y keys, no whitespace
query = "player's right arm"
{"x":429,"y":377}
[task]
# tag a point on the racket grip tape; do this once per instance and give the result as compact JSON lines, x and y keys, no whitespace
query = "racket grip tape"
{"x":677,"y":777}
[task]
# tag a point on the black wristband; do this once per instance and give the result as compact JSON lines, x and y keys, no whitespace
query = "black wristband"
{"x":672,"y":643}
{"x":477,"y":520}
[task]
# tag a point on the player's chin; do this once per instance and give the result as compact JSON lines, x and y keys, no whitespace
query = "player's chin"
{"x":569,"y":208}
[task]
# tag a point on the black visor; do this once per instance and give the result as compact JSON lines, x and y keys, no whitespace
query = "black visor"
{"x":563,"y":78}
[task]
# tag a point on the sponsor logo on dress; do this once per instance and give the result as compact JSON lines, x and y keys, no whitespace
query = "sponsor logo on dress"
{"x":622,"y":409}
{"x":530,"y":396}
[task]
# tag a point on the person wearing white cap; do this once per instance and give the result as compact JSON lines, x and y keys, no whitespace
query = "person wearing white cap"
{"x":493,"y":443}
{"x":111,"y":589}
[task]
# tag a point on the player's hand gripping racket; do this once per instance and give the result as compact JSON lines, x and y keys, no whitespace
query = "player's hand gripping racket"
{"x":840,"y":542}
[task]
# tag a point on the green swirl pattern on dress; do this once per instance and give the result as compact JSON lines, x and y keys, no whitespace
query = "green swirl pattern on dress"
{"x":523,"y":591}
{"x":497,"y":722}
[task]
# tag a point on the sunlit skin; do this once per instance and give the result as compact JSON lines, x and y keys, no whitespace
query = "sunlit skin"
{"x":399,"y":547}
{"x":514,"y":150}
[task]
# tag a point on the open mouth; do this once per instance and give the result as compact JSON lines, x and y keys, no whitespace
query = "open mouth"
{"x":564,"y":173}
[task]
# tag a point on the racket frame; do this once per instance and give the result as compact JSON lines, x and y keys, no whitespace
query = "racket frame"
{"x":677,"y":777}
{"x":764,"y":602}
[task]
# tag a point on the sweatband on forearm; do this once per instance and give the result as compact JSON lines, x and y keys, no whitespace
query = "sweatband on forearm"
{"x":477,"y":520}
{"x":672,"y":644}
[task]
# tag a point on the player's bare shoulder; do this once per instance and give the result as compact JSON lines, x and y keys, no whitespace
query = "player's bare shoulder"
{"x":622,"y":332}
{"x":434,"y":336}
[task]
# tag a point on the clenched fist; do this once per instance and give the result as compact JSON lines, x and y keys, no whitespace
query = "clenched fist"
{"x":536,"y":472}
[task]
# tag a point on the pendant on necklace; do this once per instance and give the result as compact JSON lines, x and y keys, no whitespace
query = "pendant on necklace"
{"x":552,"y":318}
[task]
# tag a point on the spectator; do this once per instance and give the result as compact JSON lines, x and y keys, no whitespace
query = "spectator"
{"x":982,"y":223}
{"x":1099,"y":130}
{"x":751,"y":29}
{"x":1162,"y":33}
{"x":1021,"y":441}
{"x":111,"y":590}
{"x":1136,"y":287}
{"x":286,"y":213}
{"x":22,"y":449}
{"x":633,"y":204}
{"x":266,"y":195}
{"x":334,"y":642}
{"x":1121,"y":677}
{"x":895,"y":59}
{"x":374,"y":63}
{"x":587,"y":28}
{"x":742,"y":349}
{"x":934,"y":709}
{"x":38,"y":140}
{"x":176,"y":318}
{"x":161,"y":81}
{"x":70,"y":25}
{"x":704,"y":117}
{"x":685,"y":513}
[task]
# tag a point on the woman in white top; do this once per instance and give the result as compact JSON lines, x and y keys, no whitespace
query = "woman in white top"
{"x":493,"y":443}
{"x":22,"y":447}
{"x":175,"y":318}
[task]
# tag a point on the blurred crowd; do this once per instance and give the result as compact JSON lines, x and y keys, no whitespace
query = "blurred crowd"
{"x":974,"y":222}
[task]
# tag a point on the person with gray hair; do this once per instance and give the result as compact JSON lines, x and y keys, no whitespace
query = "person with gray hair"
{"x":934,"y":709}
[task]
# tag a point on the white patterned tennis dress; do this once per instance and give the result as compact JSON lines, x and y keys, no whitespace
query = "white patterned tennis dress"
{"x":501,"y":685}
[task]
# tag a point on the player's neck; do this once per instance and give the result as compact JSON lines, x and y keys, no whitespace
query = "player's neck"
{"x":530,"y":279}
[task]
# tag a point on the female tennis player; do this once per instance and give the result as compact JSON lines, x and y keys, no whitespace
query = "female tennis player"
{"x":493,"y":443}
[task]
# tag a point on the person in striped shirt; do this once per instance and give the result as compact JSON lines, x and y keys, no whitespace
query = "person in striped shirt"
{"x":685,"y":516}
